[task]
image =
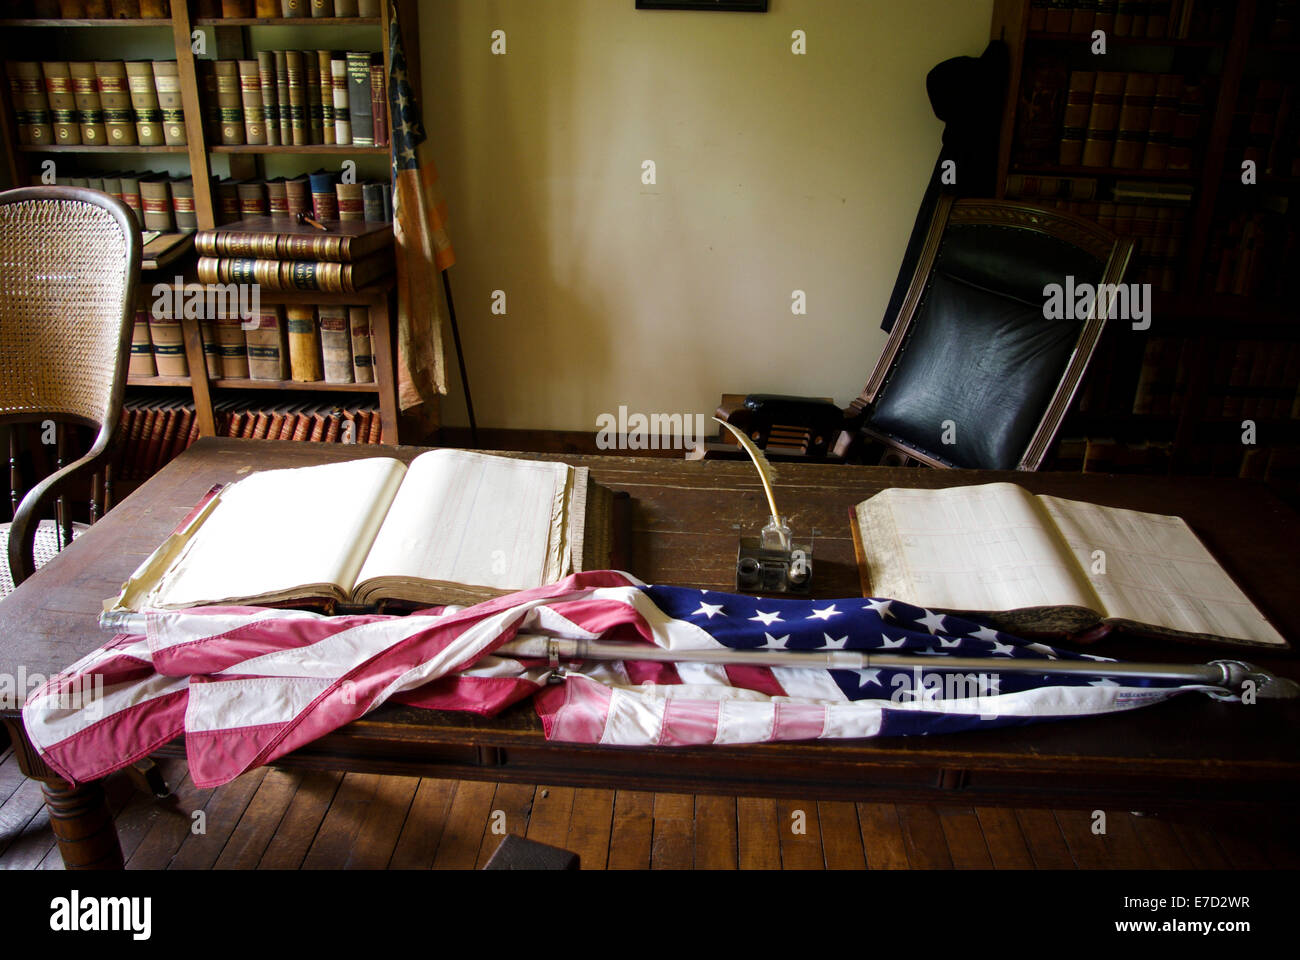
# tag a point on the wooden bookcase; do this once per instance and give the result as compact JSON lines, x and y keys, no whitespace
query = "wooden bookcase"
{"x":1194,"y":433}
{"x":226,"y":38}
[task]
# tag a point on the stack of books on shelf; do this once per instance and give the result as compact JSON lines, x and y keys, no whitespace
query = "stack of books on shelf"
{"x":162,"y":204}
{"x":320,"y":195}
{"x":1266,"y":128}
{"x":91,"y":9}
{"x":153,"y":431}
{"x":296,"y":98}
{"x":314,"y":421}
{"x":1108,"y":119}
{"x":106,"y":103}
{"x":1256,"y":253}
{"x":1257,"y":380}
{"x":1152,"y":213}
{"x":277,"y":9}
{"x":1153,"y":19}
{"x":281,"y":254}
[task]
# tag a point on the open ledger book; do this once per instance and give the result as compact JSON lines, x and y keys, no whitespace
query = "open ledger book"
{"x":1043,"y":564}
{"x":453,"y":527}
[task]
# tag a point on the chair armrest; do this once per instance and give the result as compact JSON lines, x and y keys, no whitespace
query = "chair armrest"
{"x":22,"y":532}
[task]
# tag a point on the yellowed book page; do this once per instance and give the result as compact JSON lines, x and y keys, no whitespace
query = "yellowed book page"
{"x":985,"y":547}
{"x":1157,"y":572}
{"x":279,"y":530}
{"x":474,"y":519}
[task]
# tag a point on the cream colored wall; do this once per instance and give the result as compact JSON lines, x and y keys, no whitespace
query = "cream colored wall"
{"x":775,"y":173}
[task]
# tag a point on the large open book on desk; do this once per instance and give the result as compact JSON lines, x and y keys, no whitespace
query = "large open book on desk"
{"x":453,"y":527}
{"x":1047,"y":565}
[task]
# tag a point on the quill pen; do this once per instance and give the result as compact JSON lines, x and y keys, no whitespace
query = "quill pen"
{"x":762,"y":465}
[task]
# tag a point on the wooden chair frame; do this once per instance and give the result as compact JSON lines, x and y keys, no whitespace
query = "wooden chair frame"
{"x":23,"y":529}
{"x":1097,"y":241}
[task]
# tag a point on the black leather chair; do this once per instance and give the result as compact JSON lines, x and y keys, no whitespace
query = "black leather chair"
{"x":974,"y":374}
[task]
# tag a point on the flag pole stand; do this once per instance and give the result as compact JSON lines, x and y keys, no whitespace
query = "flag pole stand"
{"x":460,"y":360}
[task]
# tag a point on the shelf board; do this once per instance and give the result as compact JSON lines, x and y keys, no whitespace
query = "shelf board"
{"x":1112,"y":39}
{"x":158,"y":382}
{"x":326,"y":148}
{"x":313,"y":387}
{"x":83,"y":22}
{"x":1055,"y":170}
{"x":287,"y":21}
{"x":84,"y":148}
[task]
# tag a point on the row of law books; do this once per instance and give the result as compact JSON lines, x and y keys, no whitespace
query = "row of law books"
{"x":287,"y":9}
{"x":282,"y":254}
{"x":297,"y":98}
{"x":312,"y":421}
{"x":1266,"y":127}
{"x":320,"y":195}
{"x":153,"y":431}
{"x":161,"y":203}
{"x":91,"y":9}
{"x":1256,"y":253}
{"x":1255,"y":379}
{"x":1154,"y":19}
{"x":1130,"y":121}
{"x":1158,"y":228}
{"x":300,"y":343}
{"x":112,"y":103}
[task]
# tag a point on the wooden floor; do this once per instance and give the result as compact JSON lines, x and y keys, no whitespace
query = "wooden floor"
{"x":277,"y":819}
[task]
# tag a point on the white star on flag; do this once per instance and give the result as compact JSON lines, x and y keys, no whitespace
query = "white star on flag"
{"x":886,"y":643}
{"x":767,"y":619}
{"x":868,"y":676}
{"x":881,"y":607}
{"x":932,"y":621}
{"x":984,"y":633}
{"x":774,"y":642}
{"x":708,"y":609}
{"x":825,"y":613}
{"x":1003,"y":648}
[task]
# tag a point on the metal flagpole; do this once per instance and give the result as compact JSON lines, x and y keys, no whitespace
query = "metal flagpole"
{"x":460,"y":361}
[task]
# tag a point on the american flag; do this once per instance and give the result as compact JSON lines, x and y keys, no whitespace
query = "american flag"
{"x":420,"y":230}
{"x":247,"y":685}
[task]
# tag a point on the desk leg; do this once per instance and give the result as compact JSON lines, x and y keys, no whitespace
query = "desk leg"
{"x":79,"y":815}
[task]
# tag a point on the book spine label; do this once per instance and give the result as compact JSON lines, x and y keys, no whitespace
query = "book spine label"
{"x":351,"y":201}
{"x":270,"y":96}
{"x":187,"y":220}
{"x":325,"y":79}
{"x":304,"y":344}
{"x":229,"y":103}
{"x":230,"y":348}
{"x":379,"y":100}
{"x":359,"y":102}
{"x":299,"y":103}
{"x":159,"y":212}
{"x":268,"y":346}
{"x":167,"y":87}
{"x":342,"y":117}
{"x":250,"y":94}
{"x":362,"y":350}
{"x":144,"y":101}
{"x":64,"y":125}
{"x":115,"y":99}
{"x":336,"y":344}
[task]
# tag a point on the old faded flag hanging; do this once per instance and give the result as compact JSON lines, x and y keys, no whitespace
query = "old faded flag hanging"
{"x":420,"y":229}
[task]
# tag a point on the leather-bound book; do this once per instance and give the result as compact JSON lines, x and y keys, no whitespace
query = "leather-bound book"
{"x":379,"y":99}
{"x":270,"y":95}
{"x":295,"y":8}
{"x":1107,"y":95}
{"x":1160,"y":126}
{"x":142,"y":362}
{"x":1083,"y":14}
{"x":339,"y":85}
{"x":315,"y":107}
{"x":298,"y":195}
{"x":236,"y":9}
{"x":266,"y":9}
{"x":1134,"y":120}
{"x":336,"y":343}
{"x":325,"y":80}
{"x":113,"y":187}
{"x":324,"y":201}
{"x":304,"y":344}
{"x":359,"y":105}
{"x":230,"y":348}
{"x":1058,"y":16}
{"x":115,"y":98}
{"x":376,"y":427}
{"x":351,"y":203}
{"x":90,"y":113}
{"x":250,"y":97}
{"x":292,"y":275}
{"x":31,"y":103}
{"x":301,"y":427}
{"x":144,"y":102}
{"x":207,"y":79}
{"x":333,"y":426}
{"x":187,"y":220}
{"x":1078,"y":107}
{"x":282,"y":96}
{"x":322,"y":8}
{"x":156,"y":197}
{"x":211,"y":348}
{"x":1105,"y":19}
{"x":1187,"y":126}
{"x":299,"y":102}
{"x":167,"y":87}
{"x":372,"y":202}
{"x":360,"y":8}
{"x":65,"y":128}
{"x":269,"y":239}
{"x":267,"y":342}
{"x":227,"y":197}
{"x":131,"y":195}
{"x":318,"y":423}
{"x":230,"y":102}
{"x":181,"y":435}
{"x":155,"y":9}
{"x":363,"y":351}
{"x":157,"y":432}
{"x":277,"y":199}
{"x":252,"y":199}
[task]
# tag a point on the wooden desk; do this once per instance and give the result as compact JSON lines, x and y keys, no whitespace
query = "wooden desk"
{"x":687,"y":517}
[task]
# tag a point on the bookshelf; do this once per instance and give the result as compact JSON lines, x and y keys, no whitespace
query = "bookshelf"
{"x":49,"y":37}
{"x":1224,"y":342}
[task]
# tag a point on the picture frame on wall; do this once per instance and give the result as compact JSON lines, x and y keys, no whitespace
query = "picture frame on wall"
{"x":731,"y":6}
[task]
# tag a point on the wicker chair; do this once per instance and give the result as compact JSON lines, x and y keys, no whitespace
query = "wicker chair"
{"x":69,"y":265}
